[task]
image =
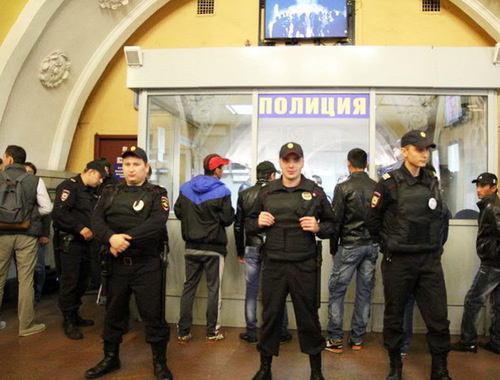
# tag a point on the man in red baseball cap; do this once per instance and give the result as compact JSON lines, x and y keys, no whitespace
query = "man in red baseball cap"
{"x":204,"y":209}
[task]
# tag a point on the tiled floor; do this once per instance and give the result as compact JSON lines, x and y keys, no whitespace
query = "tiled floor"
{"x":50,"y":355}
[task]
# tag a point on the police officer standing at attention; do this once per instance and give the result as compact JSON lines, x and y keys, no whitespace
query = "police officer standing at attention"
{"x":73,"y":236}
{"x":406,"y":219}
{"x":130,"y":219}
{"x":291,"y":211}
{"x":248,"y":250}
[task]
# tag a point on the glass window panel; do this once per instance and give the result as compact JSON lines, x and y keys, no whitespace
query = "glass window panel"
{"x":200,"y":124}
{"x":327,"y":126}
{"x":458,"y":126}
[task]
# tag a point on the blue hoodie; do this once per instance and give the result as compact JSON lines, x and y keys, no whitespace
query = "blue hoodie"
{"x":204,"y":209}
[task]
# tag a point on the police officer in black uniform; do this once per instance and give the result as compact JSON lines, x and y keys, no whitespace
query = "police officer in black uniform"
{"x":130,"y":219}
{"x":406,"y":218}
{"x":73,"y":237}
{"x":291,"y":211}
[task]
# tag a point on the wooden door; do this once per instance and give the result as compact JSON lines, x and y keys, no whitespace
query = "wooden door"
{"x":111,"y":147}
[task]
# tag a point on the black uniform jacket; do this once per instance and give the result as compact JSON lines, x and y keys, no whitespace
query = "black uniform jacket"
{"x":406,"y":213}
{"x":73,"y":206}
{"x":246,"y":199}
{"x":139,"y":211}
{"x":285,"y":239}
{"x":488,"y":233}
{"x":351,"y":202}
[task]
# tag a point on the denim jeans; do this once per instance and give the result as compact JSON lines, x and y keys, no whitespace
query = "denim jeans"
{"x":40,"y":272}
{"x":486,"y":282}
{"x":348,"y":260}
{"x":252,"y":276}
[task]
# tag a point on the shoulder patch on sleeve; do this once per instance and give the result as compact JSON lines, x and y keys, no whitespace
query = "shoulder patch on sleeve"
{"x":64,"y":195}
{"x":164,"y":203}
{"x":375,"y":199}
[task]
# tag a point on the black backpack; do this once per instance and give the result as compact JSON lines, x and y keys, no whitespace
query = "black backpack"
{"x":14,"y":215}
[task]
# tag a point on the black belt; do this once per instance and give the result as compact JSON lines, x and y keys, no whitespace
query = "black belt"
{"x":129,"y":260}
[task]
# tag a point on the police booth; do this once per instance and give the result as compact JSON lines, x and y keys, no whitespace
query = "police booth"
{"x":244,"y":103}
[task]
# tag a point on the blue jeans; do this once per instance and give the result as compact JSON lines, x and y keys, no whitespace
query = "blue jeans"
{"x":252,"y":276}
{"x":348,"y":260}
{"x":486,"y":282}
{"x":40,"y":272}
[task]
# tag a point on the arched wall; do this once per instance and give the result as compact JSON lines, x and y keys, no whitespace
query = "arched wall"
{"x":44,"y":120}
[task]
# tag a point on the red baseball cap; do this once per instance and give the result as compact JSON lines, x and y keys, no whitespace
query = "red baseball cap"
{"x":213,"y":161}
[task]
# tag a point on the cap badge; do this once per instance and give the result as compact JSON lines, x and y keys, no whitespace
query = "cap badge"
{"x":307,"y":196}
{"x":422,"y":134}
{"x":138,"y":205}
{"x":289,"y":146}
{"x":133,"y":148}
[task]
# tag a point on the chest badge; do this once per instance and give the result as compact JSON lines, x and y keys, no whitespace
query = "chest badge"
{"x":432,"y":203}
{"x":138,"y":205}
{"x":307,"y":196}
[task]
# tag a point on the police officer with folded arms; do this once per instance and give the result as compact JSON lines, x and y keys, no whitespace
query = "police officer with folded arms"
{"x":73,"y":236}
{"x":130,"y":219}
{"x":406,"y":218}
{"x":291,"y":211}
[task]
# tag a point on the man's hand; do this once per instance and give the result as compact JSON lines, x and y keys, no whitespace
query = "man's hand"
{"x":266,"y":219}
{"x":119,"y":243}
{"x":309,"y":223}
{"x":241,"y":260}
{"x":86,"y":233}
{"x":43,"y":240}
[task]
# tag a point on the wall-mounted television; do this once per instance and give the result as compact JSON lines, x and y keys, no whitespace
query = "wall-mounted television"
{"x":305,"y":19}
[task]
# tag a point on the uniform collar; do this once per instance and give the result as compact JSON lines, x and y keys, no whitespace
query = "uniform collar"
{"x":423,"y":177}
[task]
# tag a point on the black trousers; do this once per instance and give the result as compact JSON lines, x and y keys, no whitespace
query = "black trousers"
{"x":143,"y":277}
{"x":419,"y":274}
{"x":297,"y":278}
{"x":74,"y":276}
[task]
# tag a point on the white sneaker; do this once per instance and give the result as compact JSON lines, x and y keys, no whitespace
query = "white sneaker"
{"x":2,"y":325}
{"x":214,"y":338}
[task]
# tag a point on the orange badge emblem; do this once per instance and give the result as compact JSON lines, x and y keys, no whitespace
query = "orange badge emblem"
{"x":164,"y":203}
{"x":375,"y":199}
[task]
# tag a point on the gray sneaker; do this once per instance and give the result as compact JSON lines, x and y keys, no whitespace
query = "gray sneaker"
{"x":2,"y":325}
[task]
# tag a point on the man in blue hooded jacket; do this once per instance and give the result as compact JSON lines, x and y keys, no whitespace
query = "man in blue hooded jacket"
{"x":204,"y":209}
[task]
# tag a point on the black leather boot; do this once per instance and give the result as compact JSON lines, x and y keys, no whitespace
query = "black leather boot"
{"x":439,"y":369}
{"x":71,"y":328}
{"x":315,"y":361}
{"x":264,"y":373}
{"x":396,"y":371}
{"x":81,"y":322}
{"x":160,"y":361}
{"x":111,"y":362}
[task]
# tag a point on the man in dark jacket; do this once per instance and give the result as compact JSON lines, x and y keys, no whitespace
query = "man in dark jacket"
{"x":204,"y":209}
{"x":248,"y":250}
{"x":357,"y":253}
{"x":23,"y":241}
{"x":74,"y":202}
{"x":291,"y":211}
{"x":406,"y":219}
{"x":487,"y":280}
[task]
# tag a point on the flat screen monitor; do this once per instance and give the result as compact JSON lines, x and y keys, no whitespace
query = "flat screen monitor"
{"x":305,"y":19}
